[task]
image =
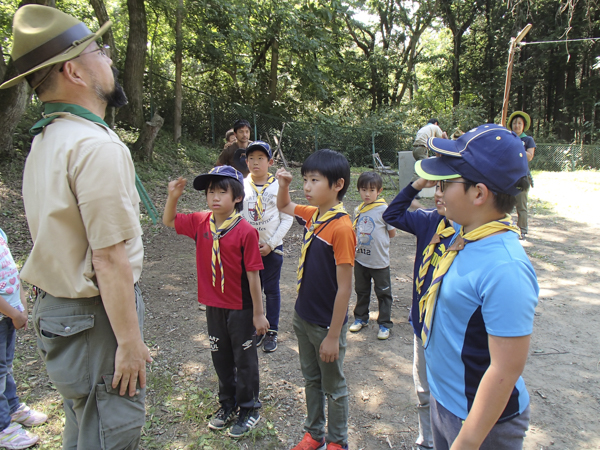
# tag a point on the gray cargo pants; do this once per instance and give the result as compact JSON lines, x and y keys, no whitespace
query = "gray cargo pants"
{"x":77,"y":343}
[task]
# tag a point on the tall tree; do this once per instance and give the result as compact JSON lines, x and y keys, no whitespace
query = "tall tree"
{"x":135,"y":63}
{"x":178,"y":67}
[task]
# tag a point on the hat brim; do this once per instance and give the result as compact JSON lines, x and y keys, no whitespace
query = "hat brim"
{"x":444,"y":147}
{"x":522,"y":114}
{"x":435,"y":169}
{"x":201,"y":182}
{"x":71,"y":53}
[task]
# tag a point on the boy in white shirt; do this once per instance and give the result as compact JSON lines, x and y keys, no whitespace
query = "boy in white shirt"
{"x":260,"y":209}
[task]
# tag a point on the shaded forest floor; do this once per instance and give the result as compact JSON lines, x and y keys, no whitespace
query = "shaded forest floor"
{"x":562,"y":373}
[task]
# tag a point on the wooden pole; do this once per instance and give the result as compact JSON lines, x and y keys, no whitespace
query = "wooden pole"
{"x":511,"y":55}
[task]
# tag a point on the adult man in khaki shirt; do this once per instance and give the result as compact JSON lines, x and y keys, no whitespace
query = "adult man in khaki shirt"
{"x":430,"y":130}
{"x":83,"y":213}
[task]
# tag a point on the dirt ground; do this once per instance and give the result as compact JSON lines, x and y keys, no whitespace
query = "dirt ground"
{"x":562,"y":373}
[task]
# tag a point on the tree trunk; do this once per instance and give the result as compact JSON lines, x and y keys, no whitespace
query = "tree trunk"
{"x":178,"y":64}
{"x":456,"y":88}
{"x":13,"y":101}
{"x":135,"y":61}
{"x":143,"y":147}
{"x":273,"y":77}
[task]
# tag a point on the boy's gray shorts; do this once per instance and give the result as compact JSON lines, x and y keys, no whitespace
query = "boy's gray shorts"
{"x":506,"y":435}
{"x":77,"y":344}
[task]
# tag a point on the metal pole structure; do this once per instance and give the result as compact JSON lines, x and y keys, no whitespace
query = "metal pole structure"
{"x":212,"y":119}
{"x":511,"y":55}
{"x":254,"y":119}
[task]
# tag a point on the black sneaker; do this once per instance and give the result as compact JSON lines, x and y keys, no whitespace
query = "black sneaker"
{"x":222,"y":417}
{"x":270,"y":343}
{"x":247,"y":420}
{"x":259,"y":339}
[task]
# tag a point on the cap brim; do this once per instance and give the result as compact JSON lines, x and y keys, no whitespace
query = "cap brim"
{"x":435,"y":169}
{"x":201,"y":182}
{"x":444,"y":147}
{"x":62,"y":57}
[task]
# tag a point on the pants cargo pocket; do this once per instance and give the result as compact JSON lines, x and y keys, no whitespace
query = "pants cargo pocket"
{"x":121,"y":417}
{"x":63,"y":343}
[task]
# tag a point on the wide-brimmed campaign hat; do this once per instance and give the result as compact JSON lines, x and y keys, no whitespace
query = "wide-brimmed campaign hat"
{"x":44,"y":36}
{"x":522,"y":114}
{"x":489,"y":154}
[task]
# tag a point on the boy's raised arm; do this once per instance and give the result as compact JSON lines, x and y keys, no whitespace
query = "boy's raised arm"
{"x":176,"y":188}
{"x":330,"y":347}
{"x":284,"y":201}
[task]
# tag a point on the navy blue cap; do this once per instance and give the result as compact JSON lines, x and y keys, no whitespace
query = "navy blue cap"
{"x":201,"y":182}
{"x":489,"y":154}
{"x":259,"y":145}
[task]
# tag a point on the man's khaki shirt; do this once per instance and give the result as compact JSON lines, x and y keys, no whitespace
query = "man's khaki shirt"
{"x":79,"y":195}
{"x":428,"y":131}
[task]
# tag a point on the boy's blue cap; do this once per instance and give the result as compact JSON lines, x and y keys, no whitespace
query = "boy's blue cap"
{"x":489,"y":154}
{"x":201,"y":182}
{"x":259,"y":145}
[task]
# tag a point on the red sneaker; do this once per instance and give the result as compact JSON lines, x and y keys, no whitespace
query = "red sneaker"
{"x":332,"y":446}
{"x":308,"y":443}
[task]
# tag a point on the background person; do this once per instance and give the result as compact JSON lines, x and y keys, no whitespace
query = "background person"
{"x":520,"y":122}
{"x":83,"y":214}
{"x":432,"y":129}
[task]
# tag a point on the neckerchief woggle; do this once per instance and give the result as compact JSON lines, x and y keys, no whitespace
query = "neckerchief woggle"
{"x":217,"y":234}
{"x":362,"y":208}
{"x":54,"y":110}
{"x":310,"y":234}
{"x":260,"y":207}
{"x":428,"y":301}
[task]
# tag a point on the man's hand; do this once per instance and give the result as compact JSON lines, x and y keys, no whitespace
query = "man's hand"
{"x":265,"y":249}
{"x":330,"y":349}
{"x":176,"y":187}
{"x":284,"y":177}
{"x":260,"y":323}
{"x":130,"y":367}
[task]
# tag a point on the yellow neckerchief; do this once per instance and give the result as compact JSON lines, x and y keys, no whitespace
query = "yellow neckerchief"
{"x":310,"y":234}
{"x":260,"y":209}
{"x":362,"y":208}
{"x":427,"y":302}
{"x":217,"y":234}
{"x":443,"y":231}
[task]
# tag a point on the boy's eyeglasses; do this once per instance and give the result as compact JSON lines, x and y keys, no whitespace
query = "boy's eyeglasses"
{"x":443,"y":184}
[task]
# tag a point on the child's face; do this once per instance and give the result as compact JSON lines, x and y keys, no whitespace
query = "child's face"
{"x":456,"y":201}
{"x":243,"y":135}
{"x":258,"y":163}
{"x":220,"y":201}
{"x":231,"y":138}
{"x":369,"y":194}
{"x":317,"y":190}
{"x":439,"y":200}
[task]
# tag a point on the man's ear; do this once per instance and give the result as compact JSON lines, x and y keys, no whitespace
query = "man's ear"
{"x":73,"y":73}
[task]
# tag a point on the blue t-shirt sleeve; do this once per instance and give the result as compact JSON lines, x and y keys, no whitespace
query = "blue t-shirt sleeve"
{"x":528,"y":142}
{"x":509,"y":295}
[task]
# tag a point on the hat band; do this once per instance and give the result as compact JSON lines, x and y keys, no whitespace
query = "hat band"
{"x":53,"y":47}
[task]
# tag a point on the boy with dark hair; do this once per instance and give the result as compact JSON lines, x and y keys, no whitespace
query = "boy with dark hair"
{"x":324,"y":287}
{"x":234,"y":153}
{"x":434,"y":233}
{"x":260,"y":210}
{"x":231,"y":291}
{"x":372,"y":255}
{"x":483,"y":294}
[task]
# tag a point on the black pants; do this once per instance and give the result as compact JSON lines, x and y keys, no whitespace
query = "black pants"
{"x":383,"y":290}
{"x":234,"y":355}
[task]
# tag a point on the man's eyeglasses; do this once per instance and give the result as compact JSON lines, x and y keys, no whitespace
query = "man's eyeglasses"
{"x":104,"y":50}
{"x":443,"y":184}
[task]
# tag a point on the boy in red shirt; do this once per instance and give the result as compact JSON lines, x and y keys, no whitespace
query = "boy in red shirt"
{"x":230,"y":290}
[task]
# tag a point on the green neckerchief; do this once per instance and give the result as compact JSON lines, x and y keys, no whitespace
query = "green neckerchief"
{"x":53,"y":110}
{"x":522,"y":135}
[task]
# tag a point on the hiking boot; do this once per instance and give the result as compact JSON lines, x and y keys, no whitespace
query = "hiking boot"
{"x":15,"y":437}
{"x":358,"y":325}
{"x":222,"y":417}
{"x":270,"y":342}
{"x":308,"y":443}
{"x":384,"y":332}
{"x":28,"y":417}
{"x":247,"y":420}
{"x":332,"y":446}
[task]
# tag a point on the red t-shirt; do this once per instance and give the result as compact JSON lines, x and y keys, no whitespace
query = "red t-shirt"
{"x":239,"y":254}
